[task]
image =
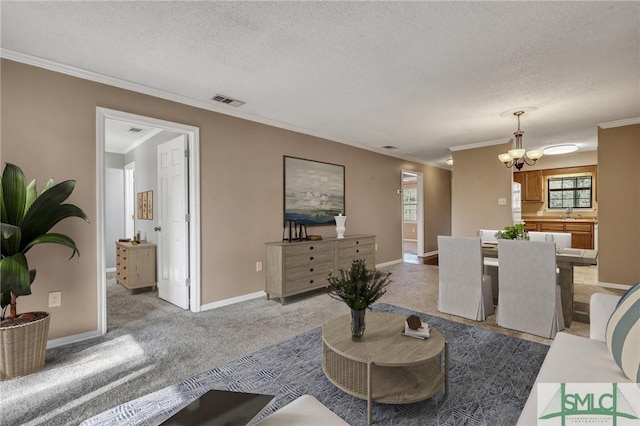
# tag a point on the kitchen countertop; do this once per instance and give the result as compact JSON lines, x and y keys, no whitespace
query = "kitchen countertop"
{"x":543,"y":219}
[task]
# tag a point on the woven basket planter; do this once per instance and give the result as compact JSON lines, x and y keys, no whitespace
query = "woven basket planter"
{"x":23,"y":348}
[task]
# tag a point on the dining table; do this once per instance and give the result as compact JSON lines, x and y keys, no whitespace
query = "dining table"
{"x":566,"y":259}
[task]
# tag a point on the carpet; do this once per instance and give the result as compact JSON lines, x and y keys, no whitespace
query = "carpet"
{"x":490,"y":378}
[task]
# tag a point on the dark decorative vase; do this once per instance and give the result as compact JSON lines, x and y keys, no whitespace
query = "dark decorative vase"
{"x":357,"y":323}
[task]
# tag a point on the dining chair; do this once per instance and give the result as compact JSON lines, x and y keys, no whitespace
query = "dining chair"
{"x":529,"y":298}
{"x":488,"y":236}
{"x":562,"y":239}
{"x":463,"y":289}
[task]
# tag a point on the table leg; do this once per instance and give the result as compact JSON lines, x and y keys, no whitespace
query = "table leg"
{"x":446,"y":368}
{"x":369,"y":388}
{"x":565,"y":281}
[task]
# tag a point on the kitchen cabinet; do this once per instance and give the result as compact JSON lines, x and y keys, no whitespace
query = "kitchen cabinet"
{"x":531,"y":186}
{"x":582,"y":232}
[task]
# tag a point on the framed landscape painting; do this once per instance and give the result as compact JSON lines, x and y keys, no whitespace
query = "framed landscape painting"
{"x":313,"y":191}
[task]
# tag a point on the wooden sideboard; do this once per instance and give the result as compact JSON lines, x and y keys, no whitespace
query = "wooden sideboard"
{"x":294,"y":268}
{"x":136,"y":265}
{"x":582,"y":232}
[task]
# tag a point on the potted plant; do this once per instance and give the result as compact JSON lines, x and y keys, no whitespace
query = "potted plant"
{"x":27,"y":217}
{"x":515,"y":232}
{"x":359,"y":288}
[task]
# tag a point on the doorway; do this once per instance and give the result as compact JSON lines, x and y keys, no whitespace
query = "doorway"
{"x":191,"y":195}
{"x":412,"y":217}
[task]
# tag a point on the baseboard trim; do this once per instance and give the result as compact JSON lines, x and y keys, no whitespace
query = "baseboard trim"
{"x":232,"y":300}
{"x":385,"y":264}
{"x":75,"y":338}
{"x":430,"y":253}
{"x":614,"y":286}
{"x":107,"y":270}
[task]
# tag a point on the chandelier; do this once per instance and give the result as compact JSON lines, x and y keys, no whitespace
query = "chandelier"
{"x":518,"y":156}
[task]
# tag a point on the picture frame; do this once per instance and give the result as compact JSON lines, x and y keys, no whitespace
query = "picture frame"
{"x":150,"y":205}
{"x":139,"y":205}
{"x":144,"y":206}
{"x":314,"y":191}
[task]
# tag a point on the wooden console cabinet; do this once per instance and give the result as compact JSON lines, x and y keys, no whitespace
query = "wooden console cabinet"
{"x":294,"y":268}
{"x":136,"y":265}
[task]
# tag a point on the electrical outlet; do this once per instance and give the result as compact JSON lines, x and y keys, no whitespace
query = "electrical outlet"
{"x":55,"y":299}
{"x":502,"y":201}
{"x":258,"y":266}
{"x":376,"y":247}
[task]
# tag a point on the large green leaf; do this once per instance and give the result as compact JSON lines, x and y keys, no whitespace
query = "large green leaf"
{"x":32,"y":194}
{"x":36,"y":225}
{"x":13,"y":194}
{"x":61,"y":239}
{"x":15,"y":275}
{"x":8,"y":230}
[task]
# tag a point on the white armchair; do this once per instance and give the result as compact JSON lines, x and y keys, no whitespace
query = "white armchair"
{"x":529,"y":298}
{"x":463,"y":289}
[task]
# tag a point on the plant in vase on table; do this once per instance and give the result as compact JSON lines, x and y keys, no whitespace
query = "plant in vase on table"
{"x":358,"y":287}
{"x":515,"y":232}
{"x":26,"y":221}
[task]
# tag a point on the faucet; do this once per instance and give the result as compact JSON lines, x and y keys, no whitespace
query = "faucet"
{"x":568,"y":212}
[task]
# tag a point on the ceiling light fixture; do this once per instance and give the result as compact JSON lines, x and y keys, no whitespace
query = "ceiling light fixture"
{"x":560,"y":149}
{"x":518,"y":156}
{"x":449,"y":161}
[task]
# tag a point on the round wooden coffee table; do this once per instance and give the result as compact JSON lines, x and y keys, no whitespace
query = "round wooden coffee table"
{"x":384,"y":366}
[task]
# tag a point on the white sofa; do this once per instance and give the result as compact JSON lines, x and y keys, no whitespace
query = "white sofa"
{"x":574,"y":359}
{"x":305,"y":410}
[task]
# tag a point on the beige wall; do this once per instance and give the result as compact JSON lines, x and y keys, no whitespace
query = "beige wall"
{"x":575,"y":159}
{"x":479,"y":179}
{"x":48,"y":129}
{"x":619,"y":204}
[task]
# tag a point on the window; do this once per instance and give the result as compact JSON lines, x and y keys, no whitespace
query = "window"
{"x":410,"y":204}
{"x":574,"y":192}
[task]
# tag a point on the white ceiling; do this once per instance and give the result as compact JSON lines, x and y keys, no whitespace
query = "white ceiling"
{"x":421,"y":76}
{"x":119,"y":137}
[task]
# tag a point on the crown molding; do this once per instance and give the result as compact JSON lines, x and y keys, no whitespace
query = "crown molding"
{"x":479,"y":145}
{"x":620,"y":123}
{"x":147,"y":90}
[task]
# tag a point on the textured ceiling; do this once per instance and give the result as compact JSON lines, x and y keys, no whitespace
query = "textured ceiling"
{"x":421,"y":76}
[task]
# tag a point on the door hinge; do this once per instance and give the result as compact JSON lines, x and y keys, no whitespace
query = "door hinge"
{"x":188,"y":281}
{"x":186,"y":153}
{"x":187,"y":217}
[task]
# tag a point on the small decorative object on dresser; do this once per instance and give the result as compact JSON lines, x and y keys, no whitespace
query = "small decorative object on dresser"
{"x":359,"y":288}
{"x":340,"y":222}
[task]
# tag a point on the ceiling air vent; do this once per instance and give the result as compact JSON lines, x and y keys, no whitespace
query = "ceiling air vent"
{"x":390,"y":147}
{"x":227,"y":100}
{"x":135,"y":129}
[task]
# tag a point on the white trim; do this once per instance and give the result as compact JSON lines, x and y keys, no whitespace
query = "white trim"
{"x":613,"y":285}
{"x":429,"y":254}
{"x":620,"y":123}
{"x":193,"y":134}
{"x":210,"y":106}
{"x":110,"y":270}
{"x":385,"y":264}
{"x":75,"y":338}
{"x":409,"y":240}
{"x":233,"y":300}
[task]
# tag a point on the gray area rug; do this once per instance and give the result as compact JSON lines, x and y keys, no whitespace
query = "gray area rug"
{"x":491,"y":375}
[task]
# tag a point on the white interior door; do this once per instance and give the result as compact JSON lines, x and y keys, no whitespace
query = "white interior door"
{"x":173,"y":226}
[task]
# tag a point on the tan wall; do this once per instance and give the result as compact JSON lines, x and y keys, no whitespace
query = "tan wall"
{"x":619,"y":204}
{"x":575,"y":159}
{"x":479,"y":179}
{"x":410,"y":230}
{"x":48,"y":129}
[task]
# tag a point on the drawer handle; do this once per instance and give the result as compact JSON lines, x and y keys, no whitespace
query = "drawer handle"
{"x":311,"y":258}
{"x":311,"y":270}
{"x":310,"y":281}
{"x":357,"y":251}
{"x":357,"y":242}
{"x":310,"y":247}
